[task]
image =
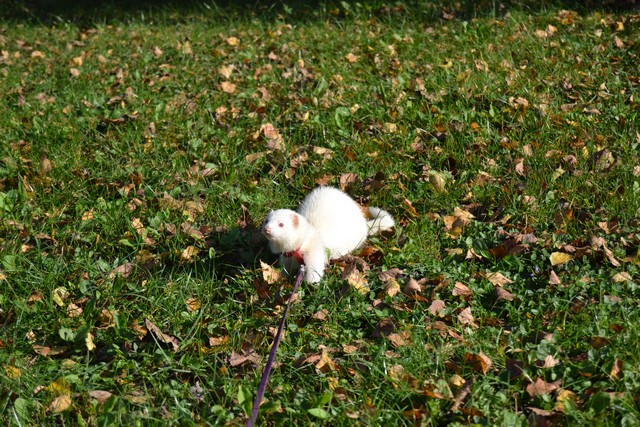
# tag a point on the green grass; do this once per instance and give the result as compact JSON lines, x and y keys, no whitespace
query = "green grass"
{"x":133,"y":179}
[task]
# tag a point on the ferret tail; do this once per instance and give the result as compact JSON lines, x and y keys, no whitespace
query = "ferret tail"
{"x":380,"y":220}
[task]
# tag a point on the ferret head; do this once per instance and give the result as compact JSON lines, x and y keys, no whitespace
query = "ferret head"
{"x":281,"y":228}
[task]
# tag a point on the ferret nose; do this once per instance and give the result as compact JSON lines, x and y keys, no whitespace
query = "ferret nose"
{"x":266,"y":230}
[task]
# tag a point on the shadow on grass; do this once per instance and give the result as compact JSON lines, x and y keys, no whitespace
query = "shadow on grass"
{"x":86,"y":13}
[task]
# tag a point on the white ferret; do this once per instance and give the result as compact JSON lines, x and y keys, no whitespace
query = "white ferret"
{"x":328,"y":224}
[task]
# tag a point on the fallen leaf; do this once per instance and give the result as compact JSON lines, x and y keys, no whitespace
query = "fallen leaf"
{"x":554,"y":279}
{"x":351,"y":58}
{"x":460,"y":289}
{"x":270,"y":274}
{"x":12,"y":372}
{"x":274,"y":139}
{"x":616,"y":370}
{"x":88,"y":341}
{"x":466,"y":318}
{"x":357,"y":280}
{"x":559,"y":258}
{"x":161,"y":336}
{"x":193,"y":304}
{"x":123,"y":270}
{"x":189,"y":253}
{"x":100,"y":395}
{"x":503,"y":294}
{"x":621,"y":277}
{"x":598,"y":342}
{"x":480,"y":362}
{"x":59,"y":404}
{"x":436,"y":307}
{"x":498,"y":279}
{"x":228,"y":87}
{"x":540,"y":387}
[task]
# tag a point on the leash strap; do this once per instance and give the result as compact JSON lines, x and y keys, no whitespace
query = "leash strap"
{"x":272,"y":354}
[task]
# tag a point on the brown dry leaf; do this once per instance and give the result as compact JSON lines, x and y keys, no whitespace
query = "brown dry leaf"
{"x":157,"y":52}
{"x":123,"y":270}
{"x":461,"y":289}
{"x":137,"y":225}
{"x":45,"y":350}
{"x":616,"y":370}
{"x":228,"y":87}
{"x":559,"y":258}
{"x":59,"y":404}
{"x":233,"y":41}
{"x":351,"y":58}
{"x":161,"y":336}
{"x":74,"y":72}
{"x":436,"y":307}
{"x":270,"y":274}
{"x":503,"y":294}
{"x":550,"y":362}
{"x":189,"y":253}
{"x":498,"y":279}
{"x":37,"y":54}
{"x":325,"y":364}
{"x":619,"y":43}
{"x":599,"y":342}
{"x":413,"y":286}
{"x":466,"y":318}
{"x":520,"y":170}
{"x":100,"y":395}
{"x":321,"y":315}
{"x":218,"y":341}
{"x":274,"y":139}
{"x":399,"y":339}
{"x":73,"y":310}
{"x":480,"y":362}
{"x":226,"y":70}
{"x":540,"y":387}
{"x":349,"y":349}
{"x":193,"y":304}
{"x":554,"y":279}
{"x":347,"y":179}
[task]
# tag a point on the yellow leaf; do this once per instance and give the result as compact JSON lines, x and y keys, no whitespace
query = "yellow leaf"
{"x":189,"y":253}
{"x":358,"y":280}
{"x":60,"y":404}
{"x":559,"y":258}
{"x":59,"y":295}
{"x":12,"y":371}
{"x":88,"y":340}
{"x":233,"y":41}
{"x":59,"y":387}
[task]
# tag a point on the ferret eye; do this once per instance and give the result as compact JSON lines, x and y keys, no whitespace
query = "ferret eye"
{"x":281,"y":225}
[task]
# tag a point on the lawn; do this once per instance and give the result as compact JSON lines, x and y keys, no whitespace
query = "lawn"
{"x":142,"y":146}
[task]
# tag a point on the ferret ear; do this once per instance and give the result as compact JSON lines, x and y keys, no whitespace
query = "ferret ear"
{"x":295,"y":220}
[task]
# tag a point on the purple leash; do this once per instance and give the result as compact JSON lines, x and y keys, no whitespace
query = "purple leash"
{"x":272,"y":354}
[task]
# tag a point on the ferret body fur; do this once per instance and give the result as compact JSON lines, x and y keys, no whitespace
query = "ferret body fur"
{"x":327,"y":225}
